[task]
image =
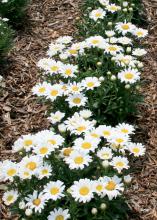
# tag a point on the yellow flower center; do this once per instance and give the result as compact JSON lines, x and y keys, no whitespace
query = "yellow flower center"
{"x":125,"y":26}
{"x":84,"y":191}
{"x":124,"y":130}
{"x":95,"y":41}
{"x":26,"y":174}
{"x":98,"y":14}
{"x":44,"y":171}
{"x":110,"y":185}
{"x":113,"y":8}
{"x":75,"y":88}
{"x":136,"y":150}
{"x":42,"y":89}
{"x":54,"y":68}
{"x":79,"y":160}
{"x":105,"y":155}
{"x":28,"y":143}
{"x":119,"y":164}
{"x":81,"y":128}
{"x":68,"y":72}
{"x":67,"y":151}
{"x":86,"y":145}
{"x":11,"y":172}
{"x":106,"y":133}
{"x":31,"y":165}
{"x":54,"y":92}
{"x":99,"y":188}
{"x":77,"y":100}
{"x":90,"y":84}
{"x":59,"y":217}
{"x":54,"y":191}
{"x":36,"y":202}
{"x":139,"y":34}
{"x":94,"y":135}
{"x":43,"y":150}
{"x":52,"y":142}
{"x":112,"y":48}
{"x":119,"y":140}
{"x":10,"y":198}
{"x":129,"y":76}
{"x":73,"y":52}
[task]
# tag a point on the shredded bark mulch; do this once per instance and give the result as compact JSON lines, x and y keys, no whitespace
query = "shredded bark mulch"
{"x":143,"y":193}
{"x":20,"y":111}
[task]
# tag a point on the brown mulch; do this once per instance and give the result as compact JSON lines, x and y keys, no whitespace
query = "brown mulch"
{"x":143,"y":193}
{"x":20,"y":112}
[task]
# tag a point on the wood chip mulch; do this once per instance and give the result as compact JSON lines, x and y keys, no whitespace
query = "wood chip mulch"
{"x":20,"y":112}
{"x":143,"y":193}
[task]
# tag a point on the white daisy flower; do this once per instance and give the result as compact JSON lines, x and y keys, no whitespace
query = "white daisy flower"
{"x":104,"y":2}
{"x":31,"y":163}
{"x":112,"y":187}
{"x":125,"y":128}
{"x":119,"y":139}
{"x":129,"y":75}
{"x":124,"y":40}
{"x":54,"y":67}
{"x":91,"y":82}
{"x":25,"y":173}
{"x":75,"y":88}
{"x":44,"y":63}
{"x":78,"y":160}
{"x":113,"y":8}
{"x":124,"y":27}
{"x":139,"y":52}
{"x":85,"y":113}
{"x":44,"y":171}
{"x":110,"y":33}
{"x":105,"y":153}
{"x":86,"y":144}
{"x":59,"y":214}
{"x":10,"y":197}
{"x":124,"y":60}
{"x":56,"y":117}
{"x":105,"y":131}
{"x":96,"y":41}
{"x":140,"y":32}
{"x":43,"y":149}
{"x":64,"y":40}
{"x":55,"y":49}
{"x":136,"y":149}
{"x":120,"y":163}
{"x":82,"y":190}
{"x":36,"y":201}
{"x":97,"y":14}
{"x":113,"y":49}
{"x":54,"y":190}
{"x":10,"y":170}
{"x":54,"y":91}
{"x":25,"y":142}
{"x":99,"y":186}
{"x":69,"y":70}
{"x":76,"y":100}
{"x":41,"y":89}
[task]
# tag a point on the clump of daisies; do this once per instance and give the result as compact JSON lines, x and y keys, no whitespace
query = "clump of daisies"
{"x":57,"y":177}
{"x":79,"y":168}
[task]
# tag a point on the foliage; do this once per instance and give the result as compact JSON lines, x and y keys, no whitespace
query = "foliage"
{"x":14,"y":10}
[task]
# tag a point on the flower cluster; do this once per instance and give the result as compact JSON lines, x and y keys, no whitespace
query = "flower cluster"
{"x":81,"y":165}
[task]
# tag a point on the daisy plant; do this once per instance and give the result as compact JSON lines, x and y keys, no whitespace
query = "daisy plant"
{"x":79,"y":168}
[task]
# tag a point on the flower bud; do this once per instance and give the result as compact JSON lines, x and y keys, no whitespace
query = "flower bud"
{"x":28,"y":212}
{"x":113,"y":78}
{"x":140,"y":65}
{"x":99,"y":63}
{"x":108,"y":73}
{"x":101,"y":79}
{"x":128,"y":49}
{"x":103,"y":206}
{"x":127,"y":86}
{"x":130,"y":9}
{"x":105,"y":163}
{"x":125,"y":4}
{"x":127,"y":179}
{"x":62,"y":128}
{"x":138,"y":87}
{"x":94,"y":211}
{"x":109,"y":23}
{"x":21,"y":205}
{"x":125,"y":9}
